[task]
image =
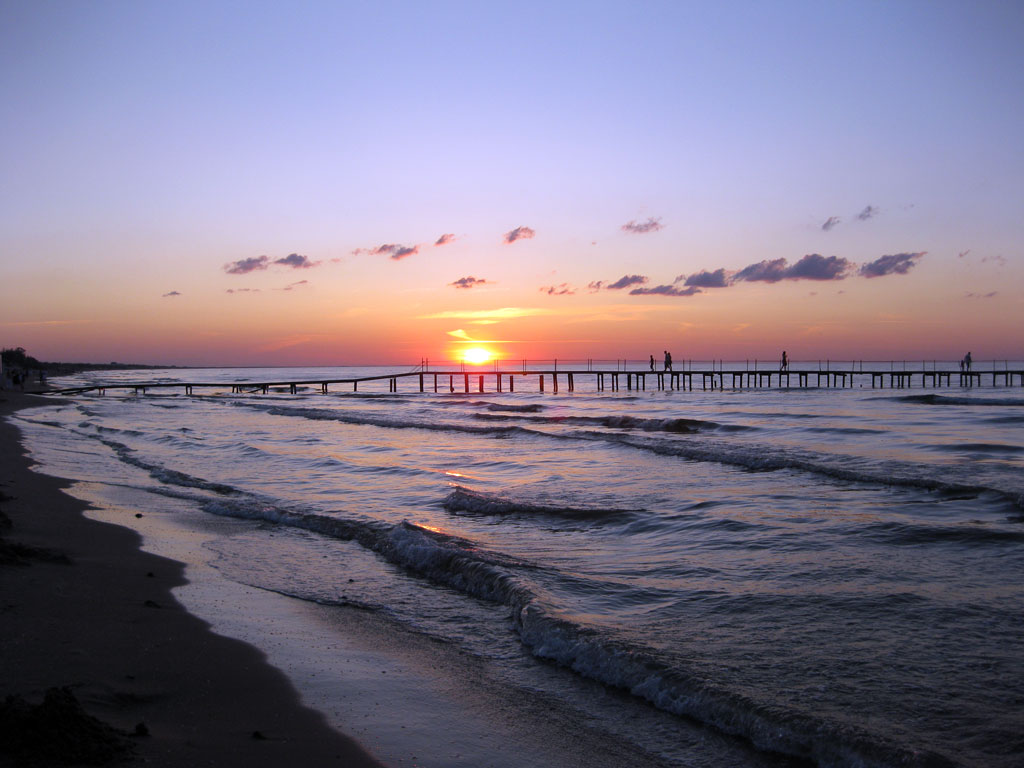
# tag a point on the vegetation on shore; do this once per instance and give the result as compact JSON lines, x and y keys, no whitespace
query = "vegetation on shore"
{"x":17,"y":358}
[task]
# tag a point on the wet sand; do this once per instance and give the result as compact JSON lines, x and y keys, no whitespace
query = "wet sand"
{"x":83,"y":608}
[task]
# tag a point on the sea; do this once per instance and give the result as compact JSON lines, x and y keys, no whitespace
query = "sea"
{"x":770,"y":576}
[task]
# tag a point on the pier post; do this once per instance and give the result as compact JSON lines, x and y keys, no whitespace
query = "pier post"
{"x":481,"y":383}
{"x":554,"y":383}
{"x":572,"y":383}
{"x":435,"y":383}
{"x":421,"y":382}
{"x":511,"y":382}
{"x":466,"y":382}
{"x":451,"y":383}
{"x":497,"y":376}
{"x":542,"y":382}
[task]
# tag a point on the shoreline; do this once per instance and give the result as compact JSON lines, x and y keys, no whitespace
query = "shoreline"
{"x":86,"y":609}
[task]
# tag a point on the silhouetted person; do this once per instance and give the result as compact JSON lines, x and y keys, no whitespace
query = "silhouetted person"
{"x":652,"y":362}
{"x":784,"y":365}
{"x":967,"y":362}
{"x":668,"y":360}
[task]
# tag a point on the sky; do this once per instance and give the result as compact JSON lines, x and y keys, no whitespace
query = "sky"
{"x":332,"y":183}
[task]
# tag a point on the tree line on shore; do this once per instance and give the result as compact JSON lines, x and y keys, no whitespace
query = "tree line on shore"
{"x":17,"y":359}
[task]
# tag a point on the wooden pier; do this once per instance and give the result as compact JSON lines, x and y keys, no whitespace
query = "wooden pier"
{"x":554,"y":380}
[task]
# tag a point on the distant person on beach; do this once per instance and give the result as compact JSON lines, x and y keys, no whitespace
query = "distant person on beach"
{"x":668,"y":360}
{"x":652,"y":362}
{"x":784,"y":365}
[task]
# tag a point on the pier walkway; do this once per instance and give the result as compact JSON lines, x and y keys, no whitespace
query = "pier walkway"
{"x":554,"y":379}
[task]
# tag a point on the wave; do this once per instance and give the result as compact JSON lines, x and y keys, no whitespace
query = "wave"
{"x":751,"y":456}
{"x":477,"y":502}
{"x":908,"y":534}
{"x":676,"y":425}
{"x":847,"y":468}
{"x":595,"y":653}
{"x":957,"y":400}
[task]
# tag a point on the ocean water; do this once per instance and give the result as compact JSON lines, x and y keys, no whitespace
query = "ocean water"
{"x":762,"y":577}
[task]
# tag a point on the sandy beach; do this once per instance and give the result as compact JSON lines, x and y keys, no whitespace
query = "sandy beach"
{"x":90,"y":618}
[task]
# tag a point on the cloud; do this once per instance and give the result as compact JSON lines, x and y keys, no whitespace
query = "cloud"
{"x":558,"y":290}
{"x":595,"y":286}
{"x":813,"y":266}
{"x":830,"y":222}
{"x":172,"y":293}
{"x":963,"y":254}
{"x":519,"y":233}
{"x":290,"y":286}
{"x":643,"y":227}
{"x":868,"y":212}
{"x":705,"y":279}
{"x":393,"y":250}
{"x":295,"y":261}
{"x":468,"y":282}
{"x":245,"y":266}
{"x":402,"y":252}
{"x":243,"y":290}
{"x":763,"y":271}
{"x":444,"y":239}
{"x":893,"y":264}
{"x":666,"y":290}
{"x":989,"y":295}
{"x":625,"y":281}
{"x":458,"y":333}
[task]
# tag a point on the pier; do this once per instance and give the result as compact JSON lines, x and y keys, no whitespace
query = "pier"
{"x":625,"y":376}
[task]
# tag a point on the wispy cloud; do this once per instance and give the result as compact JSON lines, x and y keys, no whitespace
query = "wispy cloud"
{"x":519,"y":233}
{"x":626,"y":281}
{"x":445,"y":239}
{"x":503,"y":313}
{"x":468,"y":282}
{"x":245,"y":266}
{"x":704,"y":279}
{"x":296,"y":261}
{"x":892,"y":264}
{"x":989,"y":295}
{"x":558,"y":290}
{"x":171,"y":293}
{"x":642,"y":227}
{"x":666,"y":290}
{"x":830,"y":223}
{"x":869,"y":212}
{"x":293,"y":286}
{"x":595,"y":286}
{"x":242,"y":290}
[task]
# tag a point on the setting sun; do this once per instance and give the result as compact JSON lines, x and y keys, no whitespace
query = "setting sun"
{"x":476,"y":355}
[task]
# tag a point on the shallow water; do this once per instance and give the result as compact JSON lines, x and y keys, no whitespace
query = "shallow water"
{"x":832,"y":574}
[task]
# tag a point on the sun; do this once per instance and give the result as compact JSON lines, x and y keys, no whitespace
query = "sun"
{"x":476,"y":355}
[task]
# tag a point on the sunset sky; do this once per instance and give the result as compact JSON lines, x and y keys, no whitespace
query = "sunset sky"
{"x":257,"y":183}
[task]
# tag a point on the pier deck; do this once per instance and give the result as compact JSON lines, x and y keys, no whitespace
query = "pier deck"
{"x":555,"y":379}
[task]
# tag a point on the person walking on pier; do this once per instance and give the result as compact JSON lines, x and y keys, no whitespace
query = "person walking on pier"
{"x":668,"y":360}
{"x":652,"y":363}
{"x":967,"y":362}
{"x":784,"y":365}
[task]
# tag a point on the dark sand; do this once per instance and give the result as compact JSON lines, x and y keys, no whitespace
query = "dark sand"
{"x":83,"y":608}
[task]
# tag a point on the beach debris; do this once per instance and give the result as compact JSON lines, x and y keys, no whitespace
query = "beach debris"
{"x":57,"y":731}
